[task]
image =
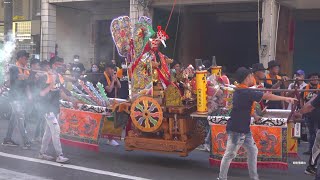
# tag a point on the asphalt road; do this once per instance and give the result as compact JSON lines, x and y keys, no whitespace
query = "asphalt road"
{"x":114,"y":163}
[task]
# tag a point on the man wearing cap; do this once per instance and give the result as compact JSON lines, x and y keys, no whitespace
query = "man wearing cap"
{"x":299,"y":75}
{"x":18,"y":94}
{"x":259,"y":74}
{"x":238,"y":126}
{"x":274,"y":81}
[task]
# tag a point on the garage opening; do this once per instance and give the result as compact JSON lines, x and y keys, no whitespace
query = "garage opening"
{"x":227,"y":31}
{"x":306,"y":49}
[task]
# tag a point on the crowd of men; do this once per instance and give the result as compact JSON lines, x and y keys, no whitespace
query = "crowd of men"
{"x":40,"y":87}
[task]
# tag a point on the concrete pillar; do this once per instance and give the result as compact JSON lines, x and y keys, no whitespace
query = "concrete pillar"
{"x":8,"y":13}
{"x":48,"y":29}
{"x":137,"y":10}
{"x":270,"y":15}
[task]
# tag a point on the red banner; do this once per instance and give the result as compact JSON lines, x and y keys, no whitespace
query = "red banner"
{"x":80,"y":128}
{"x":271,"y":143}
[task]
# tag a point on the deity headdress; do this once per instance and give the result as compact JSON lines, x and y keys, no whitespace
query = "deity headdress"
{"x":161,"y":37}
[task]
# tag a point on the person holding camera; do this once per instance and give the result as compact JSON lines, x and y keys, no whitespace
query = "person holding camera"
{"x":111,"y":84}
{"x":110,"y":81}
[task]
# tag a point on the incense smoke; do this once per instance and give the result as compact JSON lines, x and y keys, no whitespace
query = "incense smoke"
{"x":6,"y":52}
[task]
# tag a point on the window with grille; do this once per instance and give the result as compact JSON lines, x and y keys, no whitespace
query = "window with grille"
{"x":22,"y":30}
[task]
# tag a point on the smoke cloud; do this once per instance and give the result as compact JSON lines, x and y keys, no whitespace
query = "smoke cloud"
{"x":6,"y":52}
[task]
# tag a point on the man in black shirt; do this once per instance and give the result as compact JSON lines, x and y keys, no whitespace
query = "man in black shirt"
{"x":51,"y":89}
{"x":77,"y":66}
{"x":312,"y":105}
{"x":110,"y":81}
{"x":312,"y":117}
{"x":19,"y":97}
{"x":123,"y":76}
{"x":238,"y":126}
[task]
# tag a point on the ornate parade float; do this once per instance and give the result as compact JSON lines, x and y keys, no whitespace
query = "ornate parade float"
{"x":159,"y":110}
{"x":157,"y":114}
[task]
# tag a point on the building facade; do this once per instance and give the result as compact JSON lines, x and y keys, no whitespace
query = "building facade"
{"x":81,"y":28}
{"x":243,"y":32}
{"x":236,"y":32}
{"x":26,"y":24}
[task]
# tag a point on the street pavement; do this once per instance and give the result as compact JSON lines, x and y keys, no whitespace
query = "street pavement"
{"x":114,"y":163}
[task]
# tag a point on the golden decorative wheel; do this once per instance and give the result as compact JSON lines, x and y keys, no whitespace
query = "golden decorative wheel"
{"x":146,"y":114}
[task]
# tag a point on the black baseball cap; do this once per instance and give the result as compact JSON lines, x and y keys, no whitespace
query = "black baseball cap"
{"x":76,"y":56}
{"x":272,"y":64}
{"x":258,"y":67}
{"x":241,"y":74}
{"x":22,"y":53}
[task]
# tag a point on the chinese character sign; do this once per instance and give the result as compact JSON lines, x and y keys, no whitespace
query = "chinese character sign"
{"x":201,"y":84}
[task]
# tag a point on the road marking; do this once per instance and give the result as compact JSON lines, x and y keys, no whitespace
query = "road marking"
{"x":13,"y":175}
{"x":69,"y":166}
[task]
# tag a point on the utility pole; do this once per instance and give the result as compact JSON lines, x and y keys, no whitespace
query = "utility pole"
{"x":7,"y":18}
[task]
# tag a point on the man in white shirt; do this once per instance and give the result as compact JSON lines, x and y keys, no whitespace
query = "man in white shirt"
{"x":299,"y":74}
